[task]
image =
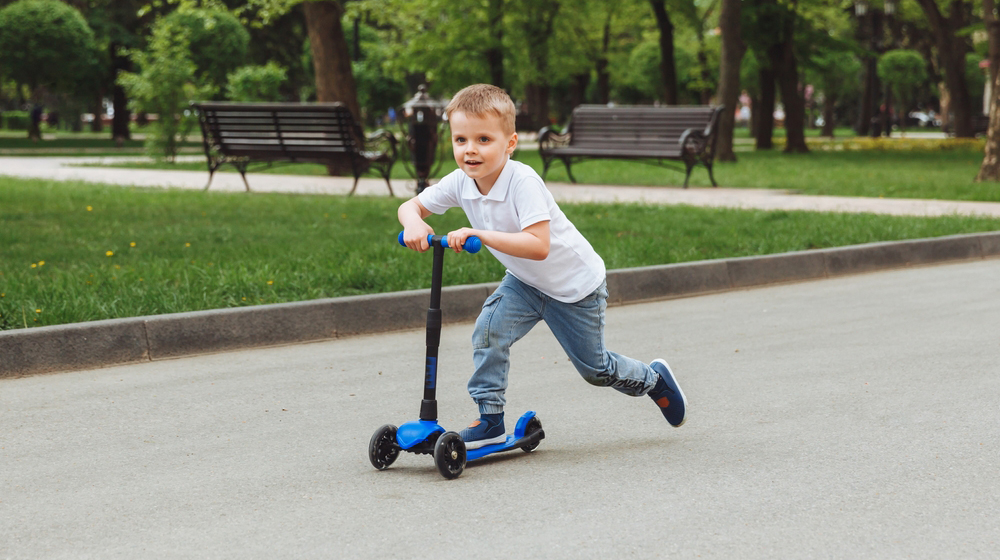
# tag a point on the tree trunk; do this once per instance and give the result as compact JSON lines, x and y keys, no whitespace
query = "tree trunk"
{"x":332,"y":62}
{"x":952,"y":53}
{"x":668,"y":67}
{"x":791,"y":96}
{"x":494,"y":54}
{"x":119,"y":100}
{"x":728,"y":93}
{"x":331,"y":57}
{"x":541,"y":20}
{"x":764,"y":126}
{"x":603,"y":76}
{"x":829,"y":103}
{"x":990,"y":168}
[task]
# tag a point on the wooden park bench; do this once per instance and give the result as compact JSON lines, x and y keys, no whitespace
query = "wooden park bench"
{"x":646,"y":133}
{"x":326,"y":133}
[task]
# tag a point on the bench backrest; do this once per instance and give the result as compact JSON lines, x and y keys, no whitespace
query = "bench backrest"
{"x":599,"y":126}
{"x":314,"y":131}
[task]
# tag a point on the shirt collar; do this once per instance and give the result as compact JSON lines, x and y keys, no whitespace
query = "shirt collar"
{"x":500,"y":187}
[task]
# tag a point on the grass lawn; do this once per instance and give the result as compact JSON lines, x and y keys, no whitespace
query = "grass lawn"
{"x":896,"y":168}
{"x":73,"y":252}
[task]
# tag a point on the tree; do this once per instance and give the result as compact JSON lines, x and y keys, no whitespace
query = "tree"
{"x":903,"y":70}
{"x":256,"y":83}
{"x":45,"y":44}
{"x":165,"y":85}
{"x":218,"y":42}
{"x":947,"y":29}
{"x":733,"y":49}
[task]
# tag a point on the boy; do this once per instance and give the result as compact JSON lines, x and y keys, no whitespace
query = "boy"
{"x":553,"y":274}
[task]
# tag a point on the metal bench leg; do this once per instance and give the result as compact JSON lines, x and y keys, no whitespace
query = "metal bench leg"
{"x":568,"y":172}
{"x":710,"y":177}
{"x":211,"y":173}
{"x":356,"y":177}
{"x":687,"y":176}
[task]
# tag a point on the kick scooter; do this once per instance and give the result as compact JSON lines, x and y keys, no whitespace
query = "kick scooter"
{"x":426,"y":436}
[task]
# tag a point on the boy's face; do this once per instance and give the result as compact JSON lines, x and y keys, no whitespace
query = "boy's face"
{"x":480,"y":146}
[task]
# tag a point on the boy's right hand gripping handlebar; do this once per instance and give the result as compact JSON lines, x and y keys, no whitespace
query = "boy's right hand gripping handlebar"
{"x":472,"y":243}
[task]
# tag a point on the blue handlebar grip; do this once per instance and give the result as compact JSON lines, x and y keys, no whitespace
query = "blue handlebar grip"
{"x":472,"y":244}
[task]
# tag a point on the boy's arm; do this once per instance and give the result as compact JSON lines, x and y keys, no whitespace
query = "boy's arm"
{"x":530,"y":243}
{"x":411,"y":216}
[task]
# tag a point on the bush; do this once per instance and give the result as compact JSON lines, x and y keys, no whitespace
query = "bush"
{"x":15,"y":120}
{"x":256,"y":83}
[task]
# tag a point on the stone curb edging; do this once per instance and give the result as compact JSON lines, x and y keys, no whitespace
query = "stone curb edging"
{"x":96,"y":344}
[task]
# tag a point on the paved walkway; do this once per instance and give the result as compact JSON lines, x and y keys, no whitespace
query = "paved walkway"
{"x":846,"y":418}
{"x":64,"y":169}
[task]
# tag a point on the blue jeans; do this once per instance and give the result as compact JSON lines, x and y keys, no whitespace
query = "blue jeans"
{"x":514,"y":308}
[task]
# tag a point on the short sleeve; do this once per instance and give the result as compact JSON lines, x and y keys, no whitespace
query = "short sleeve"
{"x":531,"y":201}
{"x":445,"y":194}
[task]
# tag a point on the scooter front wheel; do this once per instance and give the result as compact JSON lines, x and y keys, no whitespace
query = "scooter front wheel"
{"x":534,"y":425}
{"x":383,"y":450}
{"x":450,"y":455}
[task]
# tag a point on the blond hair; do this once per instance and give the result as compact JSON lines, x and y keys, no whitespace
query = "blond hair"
{"x":484,"y":100}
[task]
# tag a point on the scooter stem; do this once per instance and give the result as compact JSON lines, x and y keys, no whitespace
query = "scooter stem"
{"x":428,"y":407}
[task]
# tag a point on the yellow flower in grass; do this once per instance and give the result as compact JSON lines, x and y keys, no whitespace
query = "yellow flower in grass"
{"x":110,"y":254}
{"x":34,"y":265}
{"x":38,"y":311}
{"x":270,"y":282}
{"x":41,"y":263}
{"x":90,"y":209}
{"x":132,"y":244}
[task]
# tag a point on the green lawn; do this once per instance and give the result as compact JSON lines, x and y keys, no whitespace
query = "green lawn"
{"x":73,"y":252}
{"x":898,"y":168}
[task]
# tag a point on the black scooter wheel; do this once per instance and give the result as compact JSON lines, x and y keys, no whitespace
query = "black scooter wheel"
{"x":449,"y":455}
{"x":383,"y":450}
{"x":534,"y":425}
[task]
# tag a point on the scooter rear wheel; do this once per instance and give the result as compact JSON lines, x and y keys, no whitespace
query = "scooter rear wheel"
{"x":383,"y":450}
{"x":450,"y":455}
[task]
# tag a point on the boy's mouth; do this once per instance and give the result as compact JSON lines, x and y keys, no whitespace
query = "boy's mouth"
{"x":472,"y":163}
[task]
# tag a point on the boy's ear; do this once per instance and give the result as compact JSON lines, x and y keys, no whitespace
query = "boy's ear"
{"x":511,"y":144}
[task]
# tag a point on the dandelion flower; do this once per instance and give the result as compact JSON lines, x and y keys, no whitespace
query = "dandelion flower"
{"x":38,"y":311}
{"x":187,"y":244}
{"x":90,"y":209}
{"x":41,"y":263}
{"x":270,"y":282}
{"x":110,"y":253}
{"x":132,"y":244}
{"x":34,"y":265}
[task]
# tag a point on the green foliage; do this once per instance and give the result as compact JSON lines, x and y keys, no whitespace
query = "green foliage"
{"x":165,"y":85}
{"x":218,"y":42}
{"x":46,"y":43}
{"x":15,"y":120}
{"x":256,"y":83}
{"x":905,"y":70}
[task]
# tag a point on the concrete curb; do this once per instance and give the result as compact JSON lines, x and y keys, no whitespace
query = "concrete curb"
{"x":121,"y":341}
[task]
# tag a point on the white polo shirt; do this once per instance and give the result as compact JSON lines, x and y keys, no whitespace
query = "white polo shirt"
{"x":517,"y":200}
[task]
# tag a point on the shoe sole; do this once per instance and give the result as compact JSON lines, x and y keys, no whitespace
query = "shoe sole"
{"x":484,"y":442}
{"x":679,"y":390}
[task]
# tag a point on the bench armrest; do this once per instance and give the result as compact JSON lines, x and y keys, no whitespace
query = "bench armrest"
{"x":383,"y":142}
{"x":548,"y":138}
{"x":696,"y":141}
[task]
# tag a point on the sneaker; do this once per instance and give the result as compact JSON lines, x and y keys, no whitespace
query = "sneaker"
{"x":487,"y":430}
{"x":667,"y":394}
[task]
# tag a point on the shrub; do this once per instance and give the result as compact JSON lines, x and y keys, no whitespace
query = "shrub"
{"x":256,"y":83}
{"x":218,"y":42}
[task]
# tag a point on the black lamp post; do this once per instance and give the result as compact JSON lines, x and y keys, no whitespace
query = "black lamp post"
{"x":423,"y":116}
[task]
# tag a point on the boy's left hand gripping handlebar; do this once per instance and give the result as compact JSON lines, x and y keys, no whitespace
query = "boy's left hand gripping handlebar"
{"x":472,"y":243}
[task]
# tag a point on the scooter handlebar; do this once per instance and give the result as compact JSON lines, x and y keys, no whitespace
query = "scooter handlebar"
{"x":472,"y":243}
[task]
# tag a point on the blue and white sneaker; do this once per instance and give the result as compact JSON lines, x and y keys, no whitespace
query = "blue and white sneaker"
{"x":487,"y":430}
{"x":667,"y":395}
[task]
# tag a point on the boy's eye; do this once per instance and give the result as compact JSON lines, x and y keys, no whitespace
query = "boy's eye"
{"x":484,"y":138}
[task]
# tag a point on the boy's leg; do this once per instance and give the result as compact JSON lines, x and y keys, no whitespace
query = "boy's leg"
{"x":508,"y":314}
{"x":579,"y":328}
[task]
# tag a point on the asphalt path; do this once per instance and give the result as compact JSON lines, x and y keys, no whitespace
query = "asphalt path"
{"x":853,"y":417}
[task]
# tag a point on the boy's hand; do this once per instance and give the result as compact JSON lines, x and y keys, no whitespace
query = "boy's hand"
{"x":415,"y":237}
{"x":456,"y":239}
